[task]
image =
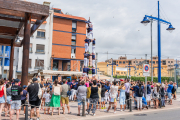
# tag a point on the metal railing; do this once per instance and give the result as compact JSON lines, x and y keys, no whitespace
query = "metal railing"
{"x":6,"y":53}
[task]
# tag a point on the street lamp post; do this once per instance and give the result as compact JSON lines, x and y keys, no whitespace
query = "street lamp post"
{"x":170,"y":29}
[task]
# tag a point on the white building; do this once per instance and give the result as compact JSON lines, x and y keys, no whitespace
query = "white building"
{"x":39,"y":51}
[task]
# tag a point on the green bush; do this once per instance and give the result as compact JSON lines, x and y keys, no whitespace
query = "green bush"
{"x":155,"y":79}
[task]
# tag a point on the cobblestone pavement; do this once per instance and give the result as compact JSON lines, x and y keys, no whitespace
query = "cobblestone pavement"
{"x":99,"y":112}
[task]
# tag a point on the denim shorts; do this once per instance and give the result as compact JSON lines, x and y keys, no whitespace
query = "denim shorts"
{"x":2,"y":99}
{"x":16,"y":104}
{"x":169,"y":95}
{"x":80,"y":102}
{"x":122,"y":100}
{"x":113,"y":100}
{"x":102,"y":99}
{"x":9,"y":99}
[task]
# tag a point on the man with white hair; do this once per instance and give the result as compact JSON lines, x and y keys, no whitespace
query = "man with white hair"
{"x":148,"y":96}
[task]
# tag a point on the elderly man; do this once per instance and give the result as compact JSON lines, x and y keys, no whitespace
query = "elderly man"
{"x":169,"y":91}
{"x":82,"y":92}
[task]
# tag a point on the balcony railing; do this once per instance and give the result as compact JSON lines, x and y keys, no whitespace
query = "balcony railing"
{"x":6,"y":54}
{"x":39,"y":67}
{"x":55,"y":69}
{"x":73,"y":55}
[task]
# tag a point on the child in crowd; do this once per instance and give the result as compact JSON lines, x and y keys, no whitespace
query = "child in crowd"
{"x":47,"y":98}
{"x":24,"y":97}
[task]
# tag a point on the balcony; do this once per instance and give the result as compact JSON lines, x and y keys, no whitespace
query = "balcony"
{"x":39,"y":67}
{"x":55,"y":68}
{"x":73,"y":43}
{"x":6,"y":53}
{"x":73,"y":55}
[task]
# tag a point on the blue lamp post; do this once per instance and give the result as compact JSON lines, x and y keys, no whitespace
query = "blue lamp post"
{"x":170,"y":29}
{"x":112,"y":66}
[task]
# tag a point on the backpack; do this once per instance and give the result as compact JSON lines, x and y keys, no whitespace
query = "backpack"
{"x":69,"y":93}
{"x":140,"y":92}
{"x":173,"y":90}
{"x":162,"y":93}
{"x":148,"y":88}
{"x":39,"y":92}
{"x":56,"y":90}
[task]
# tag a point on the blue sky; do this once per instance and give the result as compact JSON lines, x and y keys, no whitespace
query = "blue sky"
{"x":117,"y":26}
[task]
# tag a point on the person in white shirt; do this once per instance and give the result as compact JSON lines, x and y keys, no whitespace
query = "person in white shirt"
{"x":113,"y":95}
{"x":47,"y":98}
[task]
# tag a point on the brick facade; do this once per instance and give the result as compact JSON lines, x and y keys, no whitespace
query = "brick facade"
{"x":62,"y":40}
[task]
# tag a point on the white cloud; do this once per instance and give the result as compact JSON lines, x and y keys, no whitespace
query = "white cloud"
{"x":117,"y":26}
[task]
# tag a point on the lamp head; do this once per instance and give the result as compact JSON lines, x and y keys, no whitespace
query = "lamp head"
{"x":145,"y":21}
{"x":170,"y":28}
{"x":18,"y":40}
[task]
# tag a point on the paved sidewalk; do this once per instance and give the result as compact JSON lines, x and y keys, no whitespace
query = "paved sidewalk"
{"x":99,"y":113}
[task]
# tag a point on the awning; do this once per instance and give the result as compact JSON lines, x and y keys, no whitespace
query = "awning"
{"x":121,"y":69}
{"x":62,"y":73}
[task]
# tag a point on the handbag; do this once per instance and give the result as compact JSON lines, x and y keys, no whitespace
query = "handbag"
{"x":39,"y":92}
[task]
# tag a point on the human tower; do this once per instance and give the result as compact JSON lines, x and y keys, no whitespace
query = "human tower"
{"x":89,"y":39}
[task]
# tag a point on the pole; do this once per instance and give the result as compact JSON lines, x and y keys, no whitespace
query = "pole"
{"x":26,"y":42}
{"x":159,"y":46}
{"x":127,"y":71}
{"x":146,"y":78}
{"x":112,"y":67}
{"x":96,"y":62}
{"x":4,"y":48}
{"x":151,"y":53}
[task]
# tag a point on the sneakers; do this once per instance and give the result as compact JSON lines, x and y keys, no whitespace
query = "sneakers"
{"x":104,"y":107}
{"x":38,"y":119}
{"x":120,"y":110}
{"x":93,"y":114}
{"x":106,"y":111}
{"x":30,"y":119}
{"x":114,"y":112}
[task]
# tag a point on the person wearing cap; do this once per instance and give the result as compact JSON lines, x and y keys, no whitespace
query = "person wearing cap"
{"x":24,"y":97}
{"x":16,"y":92}
{"x":34,"y":100}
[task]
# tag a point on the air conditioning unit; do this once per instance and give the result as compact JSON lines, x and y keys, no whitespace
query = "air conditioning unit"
{"x":73,"y":55}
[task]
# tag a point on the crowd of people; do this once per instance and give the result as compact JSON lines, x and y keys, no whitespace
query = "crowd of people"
{"x":45,"y":94}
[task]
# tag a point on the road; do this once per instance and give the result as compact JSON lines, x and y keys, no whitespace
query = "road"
{"x":172,"y":114}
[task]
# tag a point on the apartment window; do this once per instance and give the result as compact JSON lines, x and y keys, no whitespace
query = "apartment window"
{"x":39,"y":63}
{"x":73,"y":53}
{"x":168,"y":61}
{"x":121,"y":72}
{"x":41,"y":34}
{"x":120,"y":62}
{"x":124,"y":62}
{"x":74,"y":26}
{"x":29,"y":63}
{"x":30,"y":48}
{"x":134,"y":61}
{"x":156,"y":62}
{"x":153,"y":62}
{"x":171,"y":61}
{"x":57,"y":11}
{"x":124,"y":72}
{"x":73,"y":40}
{"x":40,"y":48}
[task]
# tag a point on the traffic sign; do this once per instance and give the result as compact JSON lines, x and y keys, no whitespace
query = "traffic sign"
{"x":146,"y":70}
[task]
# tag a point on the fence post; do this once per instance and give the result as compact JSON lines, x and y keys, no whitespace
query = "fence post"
{"x":26,"y":112}
{"x":83,"y":110}
{"x":160,"y":102}
{"x":130,"y":104}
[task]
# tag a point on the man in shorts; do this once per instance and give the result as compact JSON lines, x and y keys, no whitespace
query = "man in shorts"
{"x":148,"y":97}
{"x":113,"y":95}
{"x":16,"y":93}
{"x":64,"y":97}
{"x":169,"y":91}
{"x":34,"y":100}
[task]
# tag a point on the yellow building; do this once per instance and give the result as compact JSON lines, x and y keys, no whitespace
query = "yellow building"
{"x":136,"y":71}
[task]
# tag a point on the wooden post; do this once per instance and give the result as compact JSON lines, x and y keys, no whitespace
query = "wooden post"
{"x":26,"y":42}
{"x":11,"y":61}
